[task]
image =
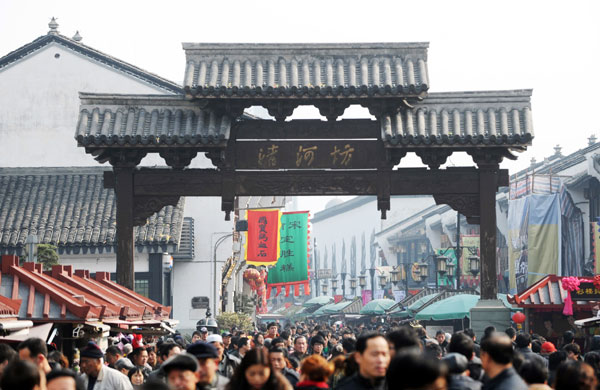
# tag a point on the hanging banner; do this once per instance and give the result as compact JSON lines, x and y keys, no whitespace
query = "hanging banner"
{"x":292,"y":266}
{"x":534,"y":239}
{"x":366,"y":296}
{"x":262,"y":237}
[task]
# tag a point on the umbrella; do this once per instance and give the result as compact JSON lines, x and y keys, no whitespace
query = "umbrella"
{"x":377,"y":306}
{"x":322,"y":300}
{"x":413,"y":308}
{"x":418,"y":304}
{"x":336,"y":308}
{"x":321,"y":311}
{"x":453,"y":308}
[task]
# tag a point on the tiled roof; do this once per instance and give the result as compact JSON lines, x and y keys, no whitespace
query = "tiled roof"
{"x":306,"y":70}
{"x":67,"y":295}
{"x":70,"y":208}
{"x":494,"y":118}
{"x":186,"y":249}
{"x":147,"y":121}
{"x":89,"y":52}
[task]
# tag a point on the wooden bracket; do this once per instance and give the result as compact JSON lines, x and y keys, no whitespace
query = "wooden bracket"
{"x":332,"y":109}
{"x":119,"y":157}
{"x":178,"y":158}
{"x":146,"y":206}
{"x":434,"y":158}
{"x":228,"y":193}
{"x":383,"y":192}
{"x":466,"y":204}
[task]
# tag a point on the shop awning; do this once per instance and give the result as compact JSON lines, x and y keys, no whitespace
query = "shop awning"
{"x":454,"y":308}
{"x":28,"y":330}
{"x":377,"y":307}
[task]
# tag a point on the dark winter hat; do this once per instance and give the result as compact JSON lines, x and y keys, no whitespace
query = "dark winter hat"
{"x":202,"y":350}
{"x":91,"y":350}
{"x":456,"y":363}
{"x":182,"y":361}
{"x":317,"y":340}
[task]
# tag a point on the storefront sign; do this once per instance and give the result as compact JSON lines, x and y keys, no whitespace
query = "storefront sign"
{"x":586,"y":292}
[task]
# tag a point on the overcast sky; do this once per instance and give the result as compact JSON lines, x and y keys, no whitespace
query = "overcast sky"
{"x":552,"y":47}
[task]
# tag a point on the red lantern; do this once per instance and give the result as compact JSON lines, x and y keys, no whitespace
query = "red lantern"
{"x":518,"y":317}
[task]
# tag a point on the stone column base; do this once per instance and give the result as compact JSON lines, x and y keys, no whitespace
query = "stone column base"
{"x":489,"y":312}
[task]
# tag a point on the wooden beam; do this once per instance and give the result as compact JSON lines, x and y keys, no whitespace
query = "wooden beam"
{"x":304,"y":129}
{"x":15,"y":287}
{"x":31,"y":301}
{"x":208,"y":182}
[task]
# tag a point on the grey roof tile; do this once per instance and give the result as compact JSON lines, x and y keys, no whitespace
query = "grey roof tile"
{"x":186,"y":248}
{"x":306,"y":70}
{"x":147,"y":121}
{"x":70,"y":208}
{"x":494,"y":118}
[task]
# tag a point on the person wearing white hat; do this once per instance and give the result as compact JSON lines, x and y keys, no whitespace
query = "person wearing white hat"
{"x":226,"y":364}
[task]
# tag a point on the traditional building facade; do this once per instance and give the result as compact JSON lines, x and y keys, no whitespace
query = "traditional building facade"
{"x":41,"y":82}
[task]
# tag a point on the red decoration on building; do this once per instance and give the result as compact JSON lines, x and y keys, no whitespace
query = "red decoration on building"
{"x":518,"y":318}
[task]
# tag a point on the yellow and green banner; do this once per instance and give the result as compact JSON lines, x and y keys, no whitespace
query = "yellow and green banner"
{"x":292,"y":266}
{"x":534,"y":239}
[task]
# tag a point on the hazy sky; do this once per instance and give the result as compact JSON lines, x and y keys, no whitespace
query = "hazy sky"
{"x":552,"y":47}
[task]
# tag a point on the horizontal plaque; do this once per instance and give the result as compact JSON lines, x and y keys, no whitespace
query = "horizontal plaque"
{"x":586,"y":292}
{"x":343,"y":154}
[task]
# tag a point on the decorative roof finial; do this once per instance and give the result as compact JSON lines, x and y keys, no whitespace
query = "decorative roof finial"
{"x":533,"y":161}
{"x":53,"y":26}
{"x":77,"y":37}
{"x":592,"y":140}
{"x":557,"y":151}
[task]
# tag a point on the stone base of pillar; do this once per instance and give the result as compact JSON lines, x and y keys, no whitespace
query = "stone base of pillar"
{"x":489,"y":312}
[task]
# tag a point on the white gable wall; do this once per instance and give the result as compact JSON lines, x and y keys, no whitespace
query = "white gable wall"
{"x":39,"y":105}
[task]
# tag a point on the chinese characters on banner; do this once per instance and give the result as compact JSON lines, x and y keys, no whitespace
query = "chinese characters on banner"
{"x":262,"y":243}
{"x":292,"y":267}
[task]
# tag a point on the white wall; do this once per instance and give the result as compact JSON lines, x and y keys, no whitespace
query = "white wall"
{"x":195,"y":278}
{"x":354,"y":222}
{"x":105,"y":262}
{"x":39,"y":105}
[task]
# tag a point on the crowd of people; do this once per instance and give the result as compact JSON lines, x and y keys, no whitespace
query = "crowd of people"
{"x":311,"y":357}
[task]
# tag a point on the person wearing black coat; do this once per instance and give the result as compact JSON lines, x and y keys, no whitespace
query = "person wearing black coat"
{"x":496,"y":358}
